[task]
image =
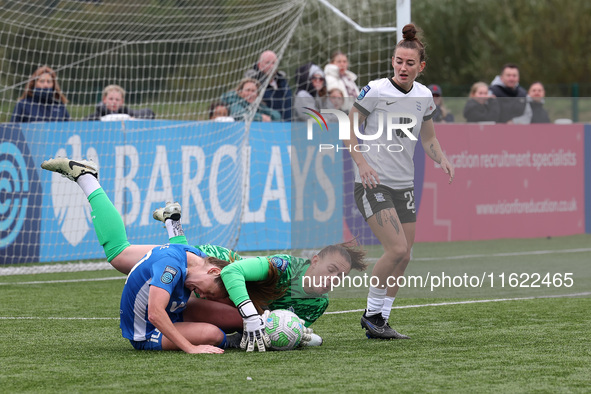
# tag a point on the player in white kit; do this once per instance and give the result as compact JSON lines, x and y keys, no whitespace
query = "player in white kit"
{"x":393,"y":112}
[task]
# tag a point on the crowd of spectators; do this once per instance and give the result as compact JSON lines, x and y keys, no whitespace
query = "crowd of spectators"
{"x":44,"y":101}
{"x":504,"y":100}
{"x":501,"y":101}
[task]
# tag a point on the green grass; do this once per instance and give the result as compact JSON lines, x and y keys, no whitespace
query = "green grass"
{"x":522,"y":345}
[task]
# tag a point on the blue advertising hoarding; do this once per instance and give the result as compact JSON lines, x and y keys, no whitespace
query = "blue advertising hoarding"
{"x":235,"y":191}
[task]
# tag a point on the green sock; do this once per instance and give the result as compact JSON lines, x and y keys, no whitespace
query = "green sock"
{"x":179,"y":239}
{"x":108,"y":224}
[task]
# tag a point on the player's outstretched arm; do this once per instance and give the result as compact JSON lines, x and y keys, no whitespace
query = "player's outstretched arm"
{"x":234,"y":277}
{"x":157,"y":301}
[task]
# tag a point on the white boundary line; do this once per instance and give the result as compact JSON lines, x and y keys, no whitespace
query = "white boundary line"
{"x":334,"y":312}
{"x":507,"y":254}
{"x":55,"y":268}
{"x":39,"y":282}
{"x":100,"y":266}
{"x":470,"y":302}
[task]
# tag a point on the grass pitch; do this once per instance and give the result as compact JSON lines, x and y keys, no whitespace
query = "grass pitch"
{"x":61,"y":333}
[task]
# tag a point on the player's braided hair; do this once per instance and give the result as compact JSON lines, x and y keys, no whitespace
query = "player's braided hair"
{"x":350,"y":251}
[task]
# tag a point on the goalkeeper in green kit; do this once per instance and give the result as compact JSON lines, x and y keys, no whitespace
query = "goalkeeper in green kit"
{"x":306,"y":298}
{"x":252,"y":284}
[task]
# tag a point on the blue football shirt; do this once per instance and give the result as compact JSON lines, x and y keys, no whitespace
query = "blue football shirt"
{"x":165,"y":267}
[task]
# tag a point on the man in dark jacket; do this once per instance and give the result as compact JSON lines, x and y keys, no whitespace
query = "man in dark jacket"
{"x":278,"y":95}
{"x":511,"y":96}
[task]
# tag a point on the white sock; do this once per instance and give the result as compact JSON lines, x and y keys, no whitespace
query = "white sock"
{"x":375,"y":300}
{"x":88,"y":183}
{"x":387,"y":307}
{"x":174,"y":228}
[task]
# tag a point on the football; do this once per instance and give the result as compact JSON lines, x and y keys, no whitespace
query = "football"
{"x":284,"y":329}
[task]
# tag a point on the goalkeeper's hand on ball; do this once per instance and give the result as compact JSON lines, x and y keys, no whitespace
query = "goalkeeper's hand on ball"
{"x":254,"y":328}
{"x":308,"y":336}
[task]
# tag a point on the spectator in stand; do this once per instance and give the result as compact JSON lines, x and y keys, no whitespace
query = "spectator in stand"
{"x":113,"y":107}
{"x":219,"y":112}
{"x":338,"y":75}
{"x":481,"y":106}
{"x":337,"y":100}
{"x":511,"y":96}
{"x":240,"y":102}
{"x":442,"y":114}
{"x":42,"y":100}
{"x":537,"y":97}
{"x":534,"y":108}
{"x":278,"y":95}
{"x":311,"y":90}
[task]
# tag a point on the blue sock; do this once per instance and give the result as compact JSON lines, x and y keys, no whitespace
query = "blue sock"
{"x":223,"y":345}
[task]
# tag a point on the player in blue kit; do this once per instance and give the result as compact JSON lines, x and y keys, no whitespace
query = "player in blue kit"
{"x":156,"y":308}
{"x":147,"y":277}
{"x":156,"y":293}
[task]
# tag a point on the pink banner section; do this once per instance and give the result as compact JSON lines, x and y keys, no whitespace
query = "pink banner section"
{"x":511,"y":181}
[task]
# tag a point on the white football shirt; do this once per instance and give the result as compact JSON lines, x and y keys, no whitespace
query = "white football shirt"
{"x":392,"y":156}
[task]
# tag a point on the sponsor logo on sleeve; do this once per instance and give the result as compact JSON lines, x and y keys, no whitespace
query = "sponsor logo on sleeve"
{"x":363,"y":92}
{"x":168,"y":275}
{"x":279,"y":263}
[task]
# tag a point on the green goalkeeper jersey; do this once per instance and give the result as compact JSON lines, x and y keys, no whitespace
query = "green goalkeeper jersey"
{"x":219,"y":252}
{"x":307,"y":307}
{"x":291,"y":270}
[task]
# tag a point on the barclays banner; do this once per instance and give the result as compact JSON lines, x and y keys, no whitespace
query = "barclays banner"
{"x":245,"y":193}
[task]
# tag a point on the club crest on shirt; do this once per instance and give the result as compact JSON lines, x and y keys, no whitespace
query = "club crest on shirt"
{"x":168,"y":275}
{"x":279,"y":263}
{"x":419,"y":106}
{"x":363,"y":92}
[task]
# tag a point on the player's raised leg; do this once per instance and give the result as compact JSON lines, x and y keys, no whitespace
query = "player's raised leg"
{"x":170,"y":215}
{"x":107,"y":221}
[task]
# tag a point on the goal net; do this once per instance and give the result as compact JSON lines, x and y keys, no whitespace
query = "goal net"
{"x":251,"y":185}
